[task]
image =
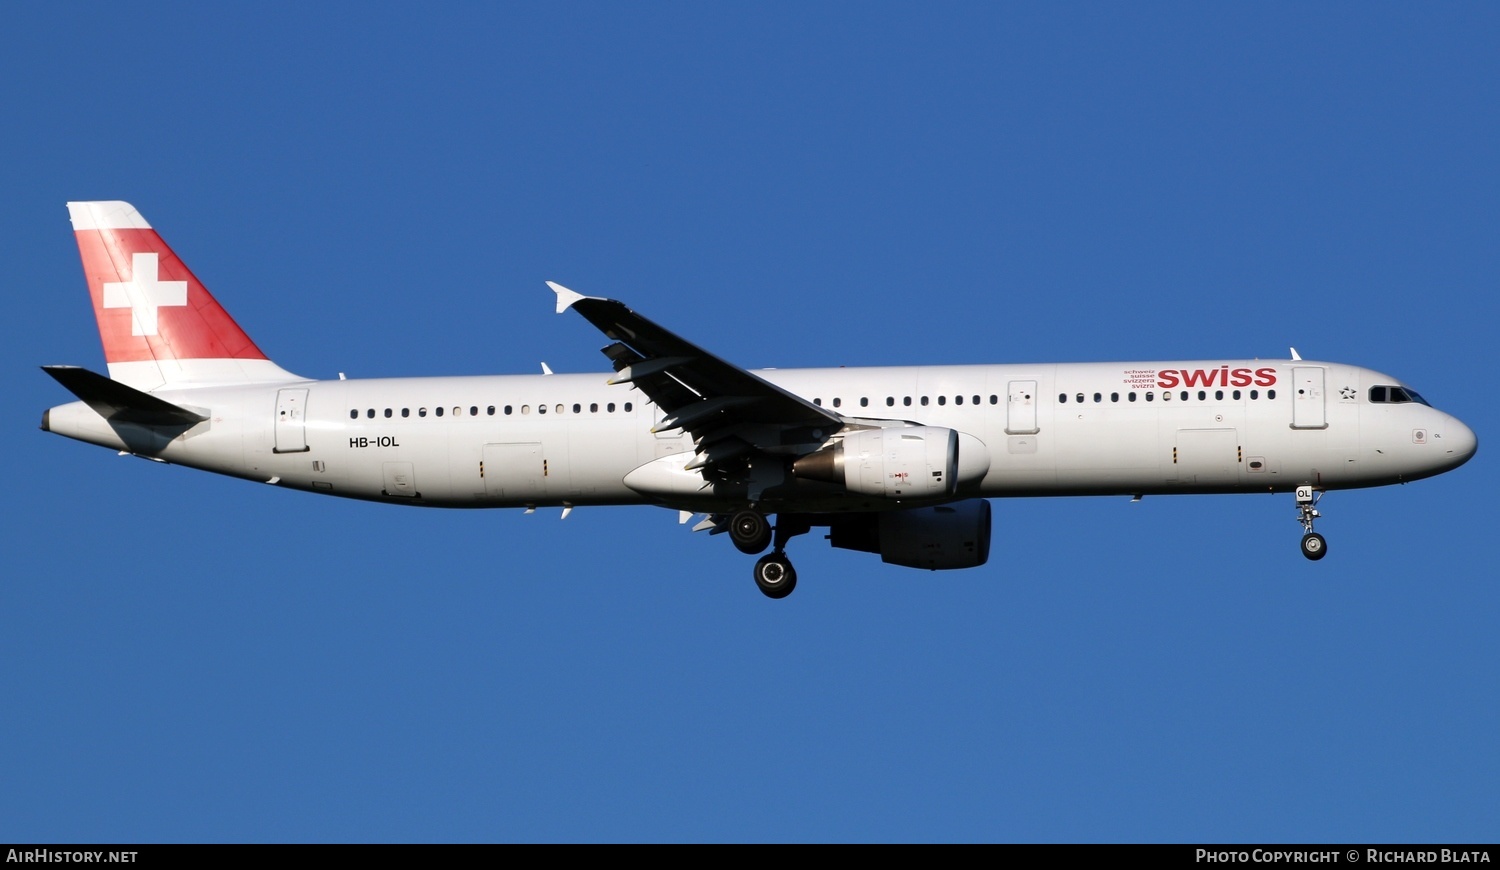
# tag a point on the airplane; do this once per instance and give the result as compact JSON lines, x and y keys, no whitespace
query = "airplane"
{"x":899,"y":461}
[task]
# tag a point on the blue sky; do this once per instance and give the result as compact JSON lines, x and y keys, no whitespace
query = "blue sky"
{"x":382,"y":189}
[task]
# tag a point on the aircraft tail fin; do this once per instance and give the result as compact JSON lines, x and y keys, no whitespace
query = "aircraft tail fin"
{"x":160,"y":327}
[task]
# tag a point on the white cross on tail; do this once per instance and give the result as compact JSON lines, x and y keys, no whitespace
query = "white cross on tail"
{"x":143,"y":294}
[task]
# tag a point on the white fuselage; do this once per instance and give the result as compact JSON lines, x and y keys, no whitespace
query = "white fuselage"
{"x":1048,"y":429}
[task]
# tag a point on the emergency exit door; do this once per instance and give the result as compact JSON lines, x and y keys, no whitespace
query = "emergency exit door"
{"x":1020,"y":408}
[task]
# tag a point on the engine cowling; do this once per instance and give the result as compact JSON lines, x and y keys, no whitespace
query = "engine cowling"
{"x":898,"y":462}
{"x":941,"y":537}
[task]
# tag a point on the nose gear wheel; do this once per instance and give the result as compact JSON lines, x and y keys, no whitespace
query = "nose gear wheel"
{"x":1313,"y":545}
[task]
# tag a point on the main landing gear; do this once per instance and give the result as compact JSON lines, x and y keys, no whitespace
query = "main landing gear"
{"x":775,"y":575}
{"x":1313,"y":545}
{"x":752,"y":533}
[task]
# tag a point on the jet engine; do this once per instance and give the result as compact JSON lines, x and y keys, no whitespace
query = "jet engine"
{"x":900,"y":462}
{"x":953,"y":535}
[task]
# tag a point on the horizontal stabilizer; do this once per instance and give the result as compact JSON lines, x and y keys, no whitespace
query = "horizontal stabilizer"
{"x":117,"y":402}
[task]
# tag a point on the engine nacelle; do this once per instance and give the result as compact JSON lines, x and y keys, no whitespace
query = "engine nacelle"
{"x":900,"y":462}
{"x":945,"y":536}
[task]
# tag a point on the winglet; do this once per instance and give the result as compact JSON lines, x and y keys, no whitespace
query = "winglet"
{"x":565,"y":297}
{"x":1295,"y":355}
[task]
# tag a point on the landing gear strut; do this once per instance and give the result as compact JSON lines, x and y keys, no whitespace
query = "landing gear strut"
{"x":1313,"y":545}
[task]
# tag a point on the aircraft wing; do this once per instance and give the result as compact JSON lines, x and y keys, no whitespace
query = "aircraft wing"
{"x":726,"y":409}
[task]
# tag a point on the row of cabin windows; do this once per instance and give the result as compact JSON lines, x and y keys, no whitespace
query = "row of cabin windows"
{"x":906,"y":401}
{"x":473,"y":410}
{"x":1166,"y":396}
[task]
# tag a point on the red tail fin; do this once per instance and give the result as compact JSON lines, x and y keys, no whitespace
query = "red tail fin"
{"x":159,"y":324}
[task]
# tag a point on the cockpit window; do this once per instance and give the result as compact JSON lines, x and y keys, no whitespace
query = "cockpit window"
{"x":1395,"y":395}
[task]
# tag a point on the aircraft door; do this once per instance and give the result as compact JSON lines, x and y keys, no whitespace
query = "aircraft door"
{"x":1307,"y":398}
{"x":1020,"y":408}
{"x":291,"y":421}
{"x":514,"y":472}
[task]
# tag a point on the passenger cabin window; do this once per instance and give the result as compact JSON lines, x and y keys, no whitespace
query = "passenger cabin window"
{"x":354,"y":412}
{"x":406,"y":412}
{"x":438,"y":411}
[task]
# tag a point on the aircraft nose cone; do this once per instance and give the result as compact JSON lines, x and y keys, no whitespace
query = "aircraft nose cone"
{"x":1461,"y":443}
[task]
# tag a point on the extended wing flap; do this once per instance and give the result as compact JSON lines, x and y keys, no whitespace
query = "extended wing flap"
{"x":119,"y":403}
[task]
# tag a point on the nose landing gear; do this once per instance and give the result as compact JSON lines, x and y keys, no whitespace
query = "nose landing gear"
{"x":1313,"y":545}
